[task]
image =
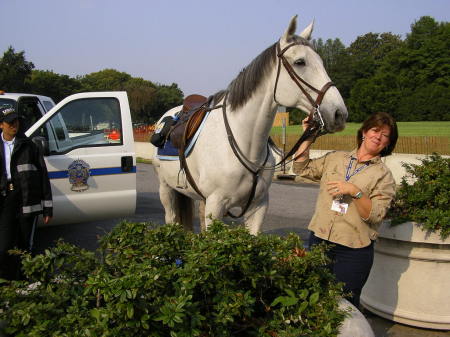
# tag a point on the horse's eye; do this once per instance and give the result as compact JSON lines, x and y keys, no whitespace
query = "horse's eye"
{"x":300,"y":62}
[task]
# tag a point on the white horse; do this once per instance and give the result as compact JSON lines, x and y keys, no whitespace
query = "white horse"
{"x":288,"y":73}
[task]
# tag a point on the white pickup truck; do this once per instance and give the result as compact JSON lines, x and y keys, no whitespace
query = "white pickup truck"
{"x":89,"y":151}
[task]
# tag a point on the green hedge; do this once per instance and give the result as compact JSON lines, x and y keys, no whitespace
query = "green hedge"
{"x":146,"y":280}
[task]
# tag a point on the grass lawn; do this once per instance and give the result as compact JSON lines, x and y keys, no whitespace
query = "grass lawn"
{"x":404,"y":129}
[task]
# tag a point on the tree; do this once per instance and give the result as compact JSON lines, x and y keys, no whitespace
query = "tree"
{"x":105,"y":80}
{"x":141,"y":94}
{"x":15,"y":70}
{"x":330,"y":52}
{"x":56,"y":86}
{"x":335,"y":58}
{"x":411,"y":81}
{"x":368,"y":51}
{"x":167,"y":97}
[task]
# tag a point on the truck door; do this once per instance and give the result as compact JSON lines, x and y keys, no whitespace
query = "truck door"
{"x":90,"y":157}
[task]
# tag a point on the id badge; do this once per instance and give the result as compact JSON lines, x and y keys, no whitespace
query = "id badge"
{"x":338,"y":206}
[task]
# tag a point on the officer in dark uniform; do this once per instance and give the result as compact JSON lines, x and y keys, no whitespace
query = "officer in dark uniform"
{"x":24,"y":192}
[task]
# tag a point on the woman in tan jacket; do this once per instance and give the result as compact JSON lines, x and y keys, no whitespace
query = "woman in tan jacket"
{"x":356,"y":190}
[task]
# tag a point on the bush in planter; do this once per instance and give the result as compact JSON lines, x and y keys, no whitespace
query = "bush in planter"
{"x":149,"y":281}
{"x":426,"y":197}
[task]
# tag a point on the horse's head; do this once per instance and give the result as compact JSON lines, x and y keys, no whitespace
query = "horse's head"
{"x":302,"y":81}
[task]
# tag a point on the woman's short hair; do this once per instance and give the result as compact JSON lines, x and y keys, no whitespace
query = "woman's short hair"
{"x":378,"y":119}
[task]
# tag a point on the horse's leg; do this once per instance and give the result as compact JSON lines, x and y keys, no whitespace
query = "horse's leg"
{"x":178,"y":207}
{"x":168,"y":197}
{"x":201,"y":215}
{"x":214,"y":209}
{"x":185,"y":206}
{"x":254,"y":216}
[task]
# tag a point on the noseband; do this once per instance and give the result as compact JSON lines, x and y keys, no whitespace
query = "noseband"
{"x":314,"y":114}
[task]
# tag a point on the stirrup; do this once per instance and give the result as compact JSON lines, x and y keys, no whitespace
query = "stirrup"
{"x":178,"y":180}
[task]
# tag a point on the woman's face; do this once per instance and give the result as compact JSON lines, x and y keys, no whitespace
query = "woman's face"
{"x":376,"y":139}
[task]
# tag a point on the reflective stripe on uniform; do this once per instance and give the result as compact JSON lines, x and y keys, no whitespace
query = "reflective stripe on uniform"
{"x":48,"y":203}
{"x":31,"y":209}
{"x":26,"y":167}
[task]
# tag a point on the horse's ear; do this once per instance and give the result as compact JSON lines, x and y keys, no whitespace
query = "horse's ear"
{"x":307,"y":32}
{"x":290,"y":31}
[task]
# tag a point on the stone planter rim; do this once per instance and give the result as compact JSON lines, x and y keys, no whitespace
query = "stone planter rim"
{"x":410,"y":231}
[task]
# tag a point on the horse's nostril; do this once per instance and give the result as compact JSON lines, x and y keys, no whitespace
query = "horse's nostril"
{"x":339,"y":119}
{"x":340,"y":116}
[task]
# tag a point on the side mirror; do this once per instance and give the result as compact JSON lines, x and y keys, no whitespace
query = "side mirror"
{"x":42,"y":144}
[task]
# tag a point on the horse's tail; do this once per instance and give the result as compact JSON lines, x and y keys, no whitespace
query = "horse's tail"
{"x":186,"y":211}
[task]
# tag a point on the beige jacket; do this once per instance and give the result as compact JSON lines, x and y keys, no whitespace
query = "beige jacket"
{"x":375,"y":181}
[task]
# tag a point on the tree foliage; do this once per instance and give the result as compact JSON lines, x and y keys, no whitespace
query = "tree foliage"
{"x":141,"y":94}
{"x":15,"y":70}
{"x":105,"y":80}
{"x":148,"y":101}
{"x":167,"y":96}
{"x":412,"y":78}
{"x":56,"y":86}
{"x":381,"y":72}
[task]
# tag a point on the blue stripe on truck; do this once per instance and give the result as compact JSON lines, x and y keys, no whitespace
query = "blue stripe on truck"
{"x":92,"y":172}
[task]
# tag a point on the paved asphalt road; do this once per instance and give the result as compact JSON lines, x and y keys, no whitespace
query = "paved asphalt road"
{"x":290,"y":209}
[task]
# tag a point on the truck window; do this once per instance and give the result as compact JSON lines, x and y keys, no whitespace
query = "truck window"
{"x":7,"y":103}
{"x":48,"y":105}
{"x":84,"y":123}
{"x":31,"y":110}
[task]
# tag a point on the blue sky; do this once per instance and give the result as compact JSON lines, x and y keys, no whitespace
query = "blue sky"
{"x":200,"y":45}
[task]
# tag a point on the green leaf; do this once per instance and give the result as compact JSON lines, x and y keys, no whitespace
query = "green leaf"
{"x":314,"y":298}
{"x":130,"y":310}
{"x":303,"y":306}
{"x":276,"y":301}
{"x":289,"y":292}
{"x":288,"y":301}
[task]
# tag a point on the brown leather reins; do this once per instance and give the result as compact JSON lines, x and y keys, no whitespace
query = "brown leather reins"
{"x":315,"y":118}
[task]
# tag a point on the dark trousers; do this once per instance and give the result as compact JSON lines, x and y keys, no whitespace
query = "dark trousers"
{"x":350,"y":266}
{"x":15,"y":232}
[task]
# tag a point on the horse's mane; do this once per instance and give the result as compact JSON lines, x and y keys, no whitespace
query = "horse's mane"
{"x":247,"y":81}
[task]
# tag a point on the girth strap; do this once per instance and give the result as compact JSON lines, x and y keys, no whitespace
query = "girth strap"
{"x":243,"y":160}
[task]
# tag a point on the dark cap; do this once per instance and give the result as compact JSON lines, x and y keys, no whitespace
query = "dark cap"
{"x":8,"y":114}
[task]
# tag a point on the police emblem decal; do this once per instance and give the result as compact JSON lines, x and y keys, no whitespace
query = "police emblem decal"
{"x":79,"y":175}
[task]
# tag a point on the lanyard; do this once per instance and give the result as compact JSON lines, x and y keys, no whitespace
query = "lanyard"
{"x":348,"y":175}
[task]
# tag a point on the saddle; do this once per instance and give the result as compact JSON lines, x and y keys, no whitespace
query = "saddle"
{"x":188,"y":120}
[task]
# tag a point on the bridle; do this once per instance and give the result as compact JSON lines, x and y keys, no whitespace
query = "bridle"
{"x":314,"y":114}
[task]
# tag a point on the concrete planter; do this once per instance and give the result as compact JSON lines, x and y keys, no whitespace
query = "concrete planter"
{"x":410,"y":279}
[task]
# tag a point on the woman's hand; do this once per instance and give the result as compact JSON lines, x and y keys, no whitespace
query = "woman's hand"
{"x":305,"y":123}
{"x":302,"y":153}
{"x":337,"y":189}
